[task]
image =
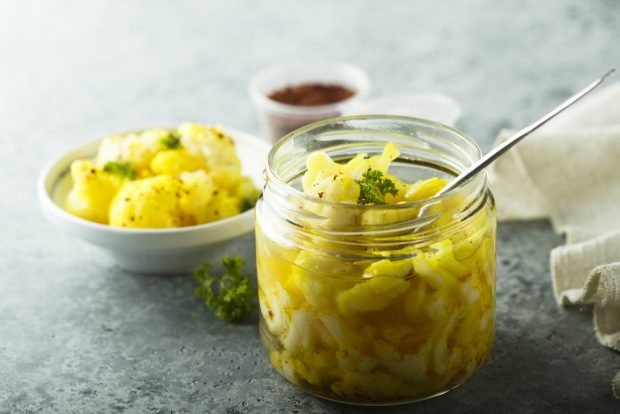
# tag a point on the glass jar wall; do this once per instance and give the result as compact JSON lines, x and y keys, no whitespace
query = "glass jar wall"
{"x":376,"y":304}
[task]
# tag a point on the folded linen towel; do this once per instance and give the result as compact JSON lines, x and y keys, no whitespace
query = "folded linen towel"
{"x":569,"y":172}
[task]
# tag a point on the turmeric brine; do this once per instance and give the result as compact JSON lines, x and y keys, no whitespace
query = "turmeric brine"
{"x":377,"y":320}
{"x":161,"y":178}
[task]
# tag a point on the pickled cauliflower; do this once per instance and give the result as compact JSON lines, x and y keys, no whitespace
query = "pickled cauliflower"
{"x":161,"y":178}
{"x":375,"y":326}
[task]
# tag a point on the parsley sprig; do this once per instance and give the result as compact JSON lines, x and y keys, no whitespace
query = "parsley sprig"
{"x":171,"y":141}
{"x":374,"y":186}
{"x":120,"y":168}
{"x":230,"y":295}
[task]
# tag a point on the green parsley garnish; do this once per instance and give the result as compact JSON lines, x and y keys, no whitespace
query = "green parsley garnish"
{"x":249,"y":202}
{"x":230,"y":295}
{"x":171,"y":141}
{"x":374,"y":186}
{"x":120,"y":168}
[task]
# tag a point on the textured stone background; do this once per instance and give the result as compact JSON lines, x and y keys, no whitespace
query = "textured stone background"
{"x":78,"y":335}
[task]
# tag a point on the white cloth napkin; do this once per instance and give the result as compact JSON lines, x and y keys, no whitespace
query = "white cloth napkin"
{"x":569,"y":172}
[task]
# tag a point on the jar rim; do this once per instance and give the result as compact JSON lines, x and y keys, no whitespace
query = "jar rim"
{"x":274,"y":177}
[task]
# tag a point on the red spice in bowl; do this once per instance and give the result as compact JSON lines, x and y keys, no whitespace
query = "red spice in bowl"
{"x":311,"y":94}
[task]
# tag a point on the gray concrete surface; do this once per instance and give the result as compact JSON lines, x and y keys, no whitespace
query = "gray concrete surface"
{"x":78,"y":335}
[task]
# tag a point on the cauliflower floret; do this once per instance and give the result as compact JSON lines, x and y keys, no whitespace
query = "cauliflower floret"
{"x":351,"y":359}
{"x":392,"y":268}
{"x":338,"y":187}
{"x":423,"y":189}
{"x":430,"y":270}
{"x":410,"y":367}
{"x":195,"y":196}
{"x":176,"y":161}
{"x":275,"y":307}
{"x":372,"y":295}
{"x":386,"y":281}
{"x":329,"y":180}
{"x":222,"y":205}
{"x":320,"y":279}
{"x":344,"y":337}
{"x":443,"y":256}
{"x":246,"y":190}
{"x":92,"y":191}
{"x":303,"y":333}
{"x":218,"y":150}
{"x":148,"y":203}
{"x":138,"y":149}
{"x":320,"y":166}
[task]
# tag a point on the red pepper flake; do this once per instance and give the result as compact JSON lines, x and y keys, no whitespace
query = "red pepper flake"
{"x":311,"y":94}
{"x":321,"y":194}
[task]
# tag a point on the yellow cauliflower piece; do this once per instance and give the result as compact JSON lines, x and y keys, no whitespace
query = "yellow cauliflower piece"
{"x":352,"y":360}
{"x":222,"y":205}
{"x":386,"y":216}
{"x":148,"y":203}
{"x":343,"y":335}
{"x":442,"y":256}
{"x":176,"y":161}
{"x":423,"y":189}
{"x":276,"y":308}
{"x":211,"y":142}
{"x":304,"y":332}
{"x":329,"y":180}
{"x":320,"y":279}
{"x":410,"y":367}
{"x":247,"y":193}
{"x":92,"y":191}
{"x":319,"y":166}
{"x":226,"y":177}
{"x":195,"y":196}
{"x":383,"y":161}
{"x":393,"y":268}
{"x":372,"y":295}
{"x":339,"y":188}
{"x":429,"y":269}
{"x":217,"y":150}
{"x":386,"y":281}
{"x":137,"y":149}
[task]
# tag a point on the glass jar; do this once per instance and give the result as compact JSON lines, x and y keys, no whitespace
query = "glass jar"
{"x":376,"y":304}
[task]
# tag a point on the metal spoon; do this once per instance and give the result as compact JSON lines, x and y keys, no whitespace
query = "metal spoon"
{"x":506,"y":145}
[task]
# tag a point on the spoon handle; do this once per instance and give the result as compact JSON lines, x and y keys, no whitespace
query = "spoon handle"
{"x":506,"y":145}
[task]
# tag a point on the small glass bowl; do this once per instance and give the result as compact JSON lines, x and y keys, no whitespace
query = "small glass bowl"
{"x":278,"y":119}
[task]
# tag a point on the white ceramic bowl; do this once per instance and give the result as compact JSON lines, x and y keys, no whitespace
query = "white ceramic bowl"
{"x":161,"y":251}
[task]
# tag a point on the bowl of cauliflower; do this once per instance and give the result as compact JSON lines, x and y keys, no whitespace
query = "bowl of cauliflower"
{"x":159,"y":200}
